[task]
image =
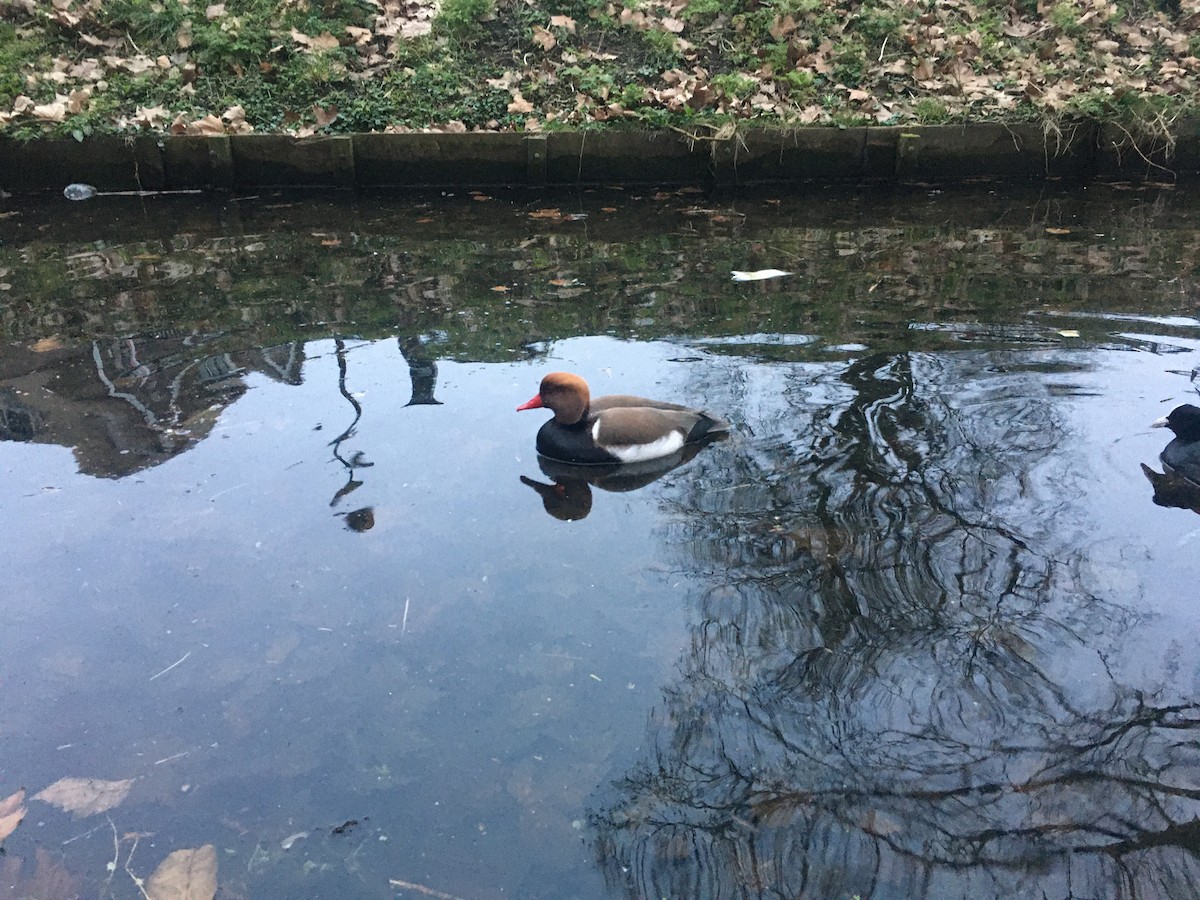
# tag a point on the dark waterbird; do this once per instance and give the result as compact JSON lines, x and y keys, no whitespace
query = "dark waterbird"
{"x":1182,"y":456}
{"x":1179,"y":483}
{"x":614,"y":429}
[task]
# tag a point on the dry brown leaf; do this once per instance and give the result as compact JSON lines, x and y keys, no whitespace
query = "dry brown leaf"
{"x":13,"y":802}
{"x":519,"y":104}
{"x":78,"y":100}
{"x":9,"y":823}
{"x":563,"y":22}
{"x":323,"y":41}
{"x":215,"y":11}
{"x":544,"y":39}
{"x":185,"y":875}
{"x":48,"y":879}
{"x":51,"y":112}
{"x":45,"y":345}
{"x":209,"y":125}
{"x":85,"y":796}
{"x":12,"y":811}
{"x":781,"y":28}
{"x":325,"y":115}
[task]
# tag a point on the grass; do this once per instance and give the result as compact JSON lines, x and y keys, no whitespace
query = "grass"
{"x":583,"y":63}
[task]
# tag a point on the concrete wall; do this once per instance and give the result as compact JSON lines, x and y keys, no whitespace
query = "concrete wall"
{"x":944,"y":153}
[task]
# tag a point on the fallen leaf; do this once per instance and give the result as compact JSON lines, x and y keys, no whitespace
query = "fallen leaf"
{"x":325,"y":115}
{"x":11,"y":813}
{"x":501,"y":289}
{"x":563,"y":22}
{"x":12,"y":803}
{"x":543,"y":38}
{"x":548,"y":213}
{"x":53,"y":112}
{"x":44,"y":346}
{"x":185,"y":875}
{"x":85,"y":796}
{"x":519,"y":104}
{"x":323,"y":41}
{"x":47,"y":880}
{"x":1069,"y":332}
{"x":1058,"y":231}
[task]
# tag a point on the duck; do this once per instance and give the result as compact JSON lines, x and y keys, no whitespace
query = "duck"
{"x":615,"y":429}
{"x":1181,"y":457}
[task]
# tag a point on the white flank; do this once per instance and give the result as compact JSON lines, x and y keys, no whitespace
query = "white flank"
{"x":760,"y":275}
{"x":664,"y":446}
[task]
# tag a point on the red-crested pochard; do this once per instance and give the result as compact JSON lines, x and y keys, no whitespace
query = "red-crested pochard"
{"x":617,"y":428}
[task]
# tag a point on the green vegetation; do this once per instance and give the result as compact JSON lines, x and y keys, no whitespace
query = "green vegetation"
{"x":79,"y":67}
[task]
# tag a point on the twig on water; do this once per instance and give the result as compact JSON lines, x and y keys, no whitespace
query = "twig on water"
{"x":172,"y":665}
{"x":421,"y":889}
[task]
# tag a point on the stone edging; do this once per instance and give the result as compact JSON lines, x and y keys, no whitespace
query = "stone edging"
{"x":945,"y":153}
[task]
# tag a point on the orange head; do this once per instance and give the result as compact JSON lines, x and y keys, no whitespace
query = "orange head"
{"x":566,"y":394}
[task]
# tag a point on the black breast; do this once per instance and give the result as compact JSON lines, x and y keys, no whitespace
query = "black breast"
{"x":1183,"y":458}
{"x":572,"y":444}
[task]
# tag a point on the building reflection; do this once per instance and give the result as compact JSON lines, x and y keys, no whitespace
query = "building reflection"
{"x":127,"y":404}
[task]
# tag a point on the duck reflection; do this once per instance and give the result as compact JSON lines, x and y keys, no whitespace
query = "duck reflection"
{"x":569,"y":496}
{"x":1178,"y":485}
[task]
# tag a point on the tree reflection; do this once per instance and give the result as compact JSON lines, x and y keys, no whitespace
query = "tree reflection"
{"x":901,"y":681}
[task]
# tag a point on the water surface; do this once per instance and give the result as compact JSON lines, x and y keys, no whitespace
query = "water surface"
{"x":919,"y":628}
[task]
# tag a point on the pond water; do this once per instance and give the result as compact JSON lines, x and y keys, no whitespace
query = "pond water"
{"x":284,"y":574}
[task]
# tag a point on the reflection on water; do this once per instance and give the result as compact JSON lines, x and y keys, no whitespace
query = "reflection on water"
{"x":278,"y":550}
{"x":569,"y":497}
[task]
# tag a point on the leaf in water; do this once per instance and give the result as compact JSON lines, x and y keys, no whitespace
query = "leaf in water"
{"x":1069,"y":332}
{"x":12,"y":803}
{"x":759,"y":275}
{"x":11,"y":813}
{"x":185,"y":875}
{"x":1058,"y":231}
{"x":85,"y":796}
{"x":46,"y":344}
{"x":48,"y":879}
